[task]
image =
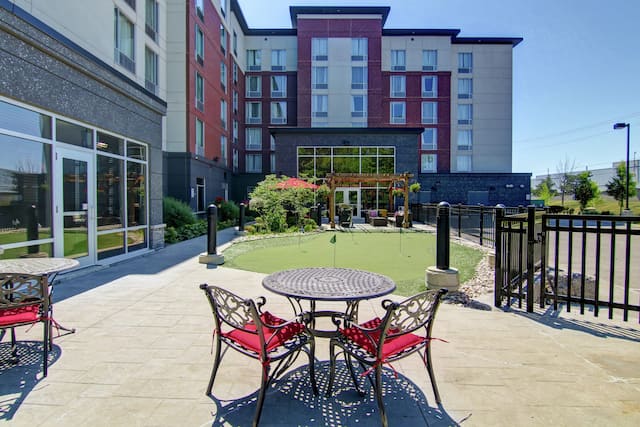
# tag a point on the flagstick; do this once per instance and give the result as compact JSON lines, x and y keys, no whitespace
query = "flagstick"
{"x":334,"y":254}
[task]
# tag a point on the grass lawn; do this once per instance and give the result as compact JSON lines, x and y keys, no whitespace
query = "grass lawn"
{"x":403,"y":257}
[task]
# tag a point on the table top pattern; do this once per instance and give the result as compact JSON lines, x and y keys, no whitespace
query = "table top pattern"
{"x":36,"y":266}
{"x":329,"y":284}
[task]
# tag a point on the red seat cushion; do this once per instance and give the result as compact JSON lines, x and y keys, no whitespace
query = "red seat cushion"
{"x":25,"y":314}
{"x":369,"y":341}
{"x":252,"y":341}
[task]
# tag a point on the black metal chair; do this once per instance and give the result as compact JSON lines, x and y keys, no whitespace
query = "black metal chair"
{"x":405,"y":329}
{"x":242,"y":325}
{"x":25,"y":300}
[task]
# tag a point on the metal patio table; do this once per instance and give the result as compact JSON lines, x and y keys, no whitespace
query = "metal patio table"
{"x":328,"y":284}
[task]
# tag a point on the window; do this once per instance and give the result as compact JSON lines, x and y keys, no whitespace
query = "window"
{"x":428,"y":163}
{"x":223,"y":7}
{"x":254,"y":139}
{"x":235,"y":159}
{"x":398,"y":112}
{"x":235,"y":102}
{"x":253,"y":163}
{"x":254,"y":60}
{"x":223,"y":39}
{"x":429,"y":139}
{"x":319,"y":77}
{"x":200,"y":8}
{"x":465,"y":114}
{"x":429,"y":60}
{"x":465,"y":88}
{"x":124,"y":42}
{"x":235,"y":73}
{"x":465,"y":62}
{"x":151,"y":71}
{"x":429,"y":86}
{"x":223,"y":76}
{"x":235,"y":131}
{"x":199,"y":92}
{"x":200,"y":195}
{"x":272,"y":162}
{"x":319,"y":105}
{"x":359,"y":106}
{"x":223,"y":114}
{"x":463,"y":163}
{"x":398,"y":60}
{"x":272,"y":143}
{"x":465,"y":139}
{"x":254,"y":86}
{"x":279,"y":112}
{"x":398,"y":86}
{"x":199,"y":138}
{"x":254,"y":112}
{"x":278,"y":59}
{"x":223,"y":149}
{"x":131,"y":3}
{"x":319,"y":49}
{"x":358,"y":77}
{"x":278,"y":86}
{"x":235,"y":43}
{"x":151,"y":19}
{"x":429,"y":113}
{"x":199,"y":45}
{"x":359,"y":49}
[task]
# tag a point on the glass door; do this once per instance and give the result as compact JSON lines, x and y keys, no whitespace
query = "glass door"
{"x":74,"y":205}
{"x":349,"y":196}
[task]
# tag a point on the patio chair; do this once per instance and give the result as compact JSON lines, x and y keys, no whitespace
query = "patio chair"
{"x":25,"y":300}
{"x":405,"y":329}
{"x":242,"y":325}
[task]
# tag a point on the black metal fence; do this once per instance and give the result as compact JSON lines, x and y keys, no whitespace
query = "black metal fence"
{"x":583,"y":261}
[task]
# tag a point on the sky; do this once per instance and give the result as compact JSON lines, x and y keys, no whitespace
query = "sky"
{"x":575,"y":74}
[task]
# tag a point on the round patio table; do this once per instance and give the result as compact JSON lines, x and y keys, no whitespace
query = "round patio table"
{"x":328,"y":284}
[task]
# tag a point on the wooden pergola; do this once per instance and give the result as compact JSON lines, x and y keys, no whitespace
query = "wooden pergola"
{"x":335,"y":180}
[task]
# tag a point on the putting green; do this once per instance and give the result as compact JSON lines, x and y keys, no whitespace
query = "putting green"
{"x":401,"y":256}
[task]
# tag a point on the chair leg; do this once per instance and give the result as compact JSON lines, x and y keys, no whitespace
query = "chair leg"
{"x":378,"y":388}
{"x":216,"y":364}
{"x":14,"y":346}
{"x":261,"y":394}
{"x":45,"y":345}
{"x":354,"y":377}
{"x":432,"y":376}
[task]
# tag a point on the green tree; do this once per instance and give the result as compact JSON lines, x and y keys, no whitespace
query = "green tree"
{"x":617,"y":186}
{"x":545,"y":190}
{"x":567,"y":180}
{"x":585,"y":189}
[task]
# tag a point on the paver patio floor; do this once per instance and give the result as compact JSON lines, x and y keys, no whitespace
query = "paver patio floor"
{"x":141,"y":356}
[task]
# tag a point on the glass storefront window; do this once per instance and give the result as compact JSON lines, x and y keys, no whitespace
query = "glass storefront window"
{"x":25,"y":190}
{"x":305,"y":150}
{"x":136,"y":239}
{"x":305,"y":166}
{"x":136,"y":151}
{"x":110,"y":144}
{"x":385,"y":165}
{"x":136,"y":189}
{"x":74,"y":134}
{"x":25,"y":121}
{"x":369,"y":165}
{"x":110,"y":244}
{"x":323,"y":166}
{"x":110,"y":191}
{"x":41,"y":250}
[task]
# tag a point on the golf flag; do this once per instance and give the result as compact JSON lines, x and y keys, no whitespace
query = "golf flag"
{"x":333,"y":239}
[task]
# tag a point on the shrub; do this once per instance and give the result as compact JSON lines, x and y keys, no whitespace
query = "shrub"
{"x":170,"y":235}
{"x":176,"y":213}
{"x":228,"y":210}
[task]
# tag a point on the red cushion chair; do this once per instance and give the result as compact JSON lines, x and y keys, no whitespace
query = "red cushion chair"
{"x":242,"y":325}
{"x":405,"y":329}
{"x":25,"y":300}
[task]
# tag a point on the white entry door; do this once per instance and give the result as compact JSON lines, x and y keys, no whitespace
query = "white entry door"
{"x":349,"y":196}
{"x":75,"y":235}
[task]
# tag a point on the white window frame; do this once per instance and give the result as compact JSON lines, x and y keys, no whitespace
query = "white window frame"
{"x":151,"y":20}
{"x":319,"y":49}
{"x":278,"y":59}
{"x":464,"y":163}
{"x":223,"y":149}
{"x":319,"y":105}
{"x":429,"y":60}
{"x":235,"y":72}
{"x":433,"y":93}
{"x":199,"y":89}
{"x":151,"y":70}
{"x":428,"y":163}
{"x":253,"y":163}
{"x":257,"y":91}
{"x":465,"y":62}
{"x":278,"y":112}
{"x":236,"y":98}
{"x":223,"y":76}
{"x":359,"y":112}
{"x":122,"y":46}
{"x":398,"y":60}
{"x":272,"y":162}
{"x":253,"y":139}
{"x":223,"y":39}
{"x":359,"y":49}
{"x":465,"y":88}
{"x":200,"y":8}
{"x":429,"y":139}
{"x":465,"y":139}
{"x":398,"y":86}
{"x":254,"y":59}
{"x":236,"y":126}
{"x":397,"y":119}
{"x":278,"y":92}
{"x":359,"y":71}
{"x":429,"y":112}
{"x":465,"y":114}
{"x":199,"y":137}
{"x":250,"y":118}
{"x":223,"y":114}
{"x":319,"y":77}
{"x":199,"y":45}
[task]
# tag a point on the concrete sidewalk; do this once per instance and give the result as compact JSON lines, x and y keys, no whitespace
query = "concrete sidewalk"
{"x":141,"y":356}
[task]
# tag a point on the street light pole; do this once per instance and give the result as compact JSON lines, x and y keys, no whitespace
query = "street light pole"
{"x":628,"y":126}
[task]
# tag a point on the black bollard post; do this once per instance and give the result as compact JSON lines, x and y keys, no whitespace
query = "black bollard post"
{"x":241,"y":217}
{"x":442,"y":236}
{"x":212,"y":226}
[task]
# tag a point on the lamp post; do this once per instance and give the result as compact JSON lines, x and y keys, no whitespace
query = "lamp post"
{"x":628,"y":126}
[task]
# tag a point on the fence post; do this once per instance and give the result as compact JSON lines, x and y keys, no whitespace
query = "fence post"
{"x":531,"y":241}
{"x":241,"y":217}
{"x":481,"y":223}
{"x":497,"y":292}
{"x":442,"y":236}
{"x":459,"y":220}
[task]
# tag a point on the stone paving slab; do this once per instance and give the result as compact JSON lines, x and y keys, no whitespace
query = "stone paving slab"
{"x":141,"y":356}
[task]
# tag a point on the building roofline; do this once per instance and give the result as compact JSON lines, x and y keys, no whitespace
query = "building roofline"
{"x":420,"y":32}
{"x":294,"y":11}
{"x":338,"y":130}
{"x":514,"y":41}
